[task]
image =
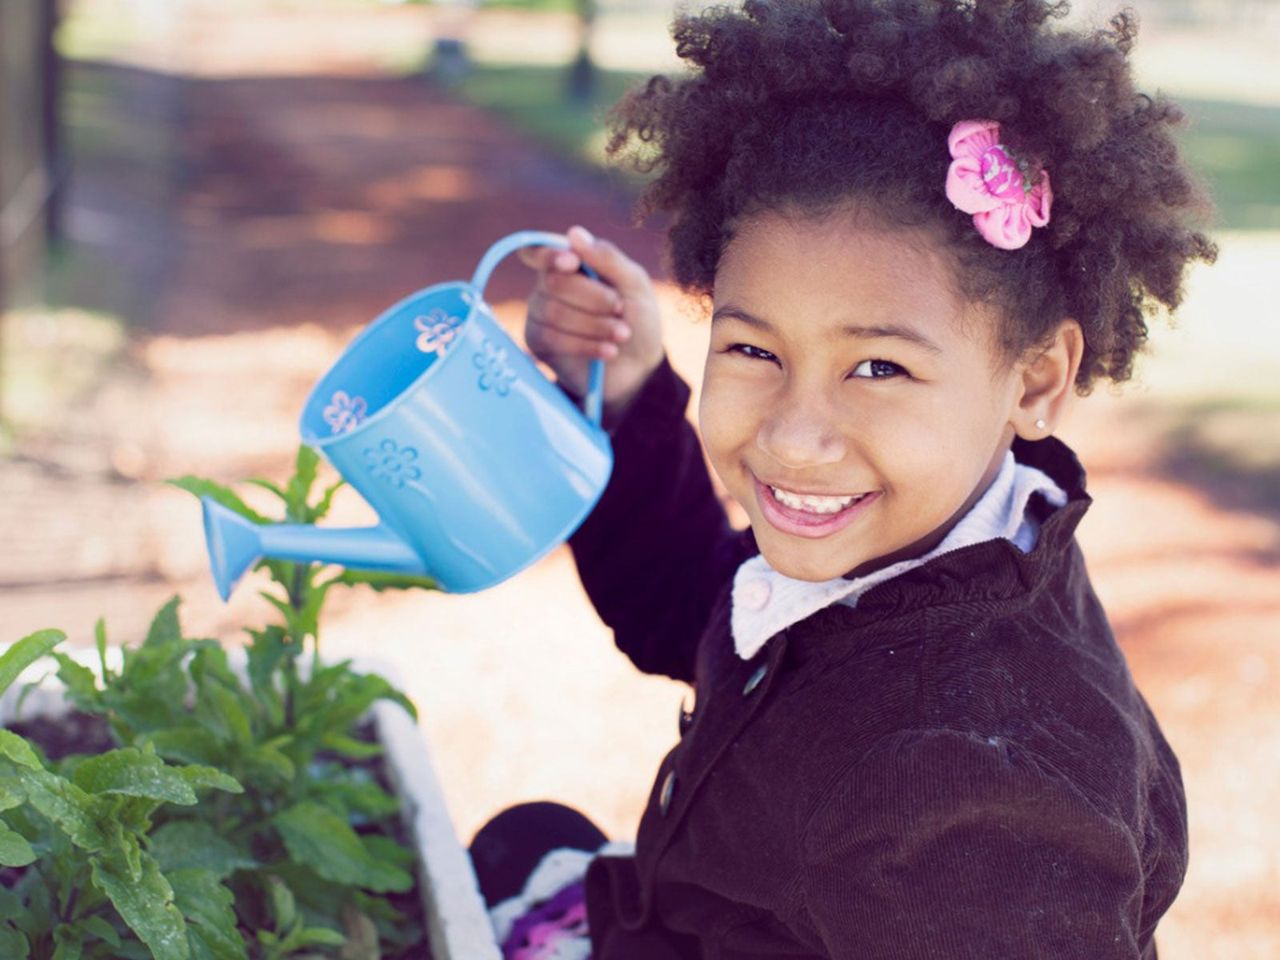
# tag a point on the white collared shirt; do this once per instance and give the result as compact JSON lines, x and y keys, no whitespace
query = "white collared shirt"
{"x":765,"y":601}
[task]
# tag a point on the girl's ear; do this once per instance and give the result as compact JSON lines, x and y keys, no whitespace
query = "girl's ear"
{"x":1048,"y":378}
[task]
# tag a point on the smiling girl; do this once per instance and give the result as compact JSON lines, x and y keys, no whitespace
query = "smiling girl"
{"x":921,"y":226}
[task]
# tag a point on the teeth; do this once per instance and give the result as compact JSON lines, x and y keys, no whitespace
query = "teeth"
{"x":812,"y":504}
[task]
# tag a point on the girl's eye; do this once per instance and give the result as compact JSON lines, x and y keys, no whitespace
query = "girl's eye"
{"x":877,"y":369}
{"x":747,"y":350}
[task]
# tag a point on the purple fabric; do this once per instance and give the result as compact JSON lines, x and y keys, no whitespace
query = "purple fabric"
{"x":551,"y":922}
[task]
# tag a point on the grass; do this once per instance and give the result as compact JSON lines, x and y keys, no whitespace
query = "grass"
{"x":1236,"y":147}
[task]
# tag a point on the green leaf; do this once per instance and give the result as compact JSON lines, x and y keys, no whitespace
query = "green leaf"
{"x":165,"y":627}
{"x":128,"y":852}
{"x":304,"y":476}
{"x":100,"y":641}
{"x":210,"y":778}
{"x":98,"y":927}
{"x":13,"y":943}
{"x":69,"y":807}
{"x":209,"y":908}
{"x":131,"y":773}
{"x":269,"y":763}
{"x":201,"y":487}
{"x":349,"y":747}
{"x":15,"y":851}
{"x":10,"y":795}
{"x":362,"y":936}
{"x":36,"y":917}
{"x":347,"y":797}
{"x":17,"y":750}
{"x":273,"y":487}
{"x":313,"y":937}
{"x":196,"y":845}
{"x":70,"y":944}
{"x":26,"y":652}
{"x":381,"y":580}
{"x":325,"y":503}
{"x":266,"y":654}
{"x":152,"y":688}
{"x":146,"y":905}
{"x":222,"y":710}
{"x":284,"y":908}
{"x":392,"y":851}
{"x":188,"y":744}
{"x":325,"y":842}
{"x":286,"y":609}
{"x":81,"y":684}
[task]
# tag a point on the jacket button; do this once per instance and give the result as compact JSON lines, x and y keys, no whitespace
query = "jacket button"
{"x":754,"y":680}
{"x":686,"y":719}
{"x":668,"y":788}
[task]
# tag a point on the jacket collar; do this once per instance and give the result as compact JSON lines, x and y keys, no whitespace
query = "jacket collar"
{"x":993,"y":571}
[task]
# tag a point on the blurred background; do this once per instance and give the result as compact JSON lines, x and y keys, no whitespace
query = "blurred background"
{"x":202,"y":200}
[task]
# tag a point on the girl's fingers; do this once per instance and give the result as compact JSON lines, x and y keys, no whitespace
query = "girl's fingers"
{"x":580,"y":291}
{"x":550,"y":311}
{"x":544,"y":259}
{"x":551,"y":343}
{"x":613,"y":266}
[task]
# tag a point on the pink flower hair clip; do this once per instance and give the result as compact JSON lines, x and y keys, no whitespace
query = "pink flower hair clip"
{"x":988,"y":181}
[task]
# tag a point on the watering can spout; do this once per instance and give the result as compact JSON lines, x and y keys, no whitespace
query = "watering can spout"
{"x":237,"y":543}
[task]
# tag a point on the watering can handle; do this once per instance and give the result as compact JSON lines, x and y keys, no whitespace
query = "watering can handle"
{"x":593,"y":404}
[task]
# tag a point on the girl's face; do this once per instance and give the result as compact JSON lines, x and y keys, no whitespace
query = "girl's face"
{"x":853,"y":402}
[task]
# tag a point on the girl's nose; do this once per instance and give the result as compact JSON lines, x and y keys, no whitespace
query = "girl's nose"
{"x":801,"y":435}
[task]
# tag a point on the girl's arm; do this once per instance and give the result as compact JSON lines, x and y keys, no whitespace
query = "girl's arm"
{"x":658,"y":548}
{"x":947,"y":844}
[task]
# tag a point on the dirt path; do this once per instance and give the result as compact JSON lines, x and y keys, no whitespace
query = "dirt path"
{"x":313,"y":199}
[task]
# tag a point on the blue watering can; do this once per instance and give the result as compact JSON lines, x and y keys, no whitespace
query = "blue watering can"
{"x":475,"y":463}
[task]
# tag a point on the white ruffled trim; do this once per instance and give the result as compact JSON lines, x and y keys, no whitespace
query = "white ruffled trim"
{"x":1001,"y":513}
{"x":555,"y":871}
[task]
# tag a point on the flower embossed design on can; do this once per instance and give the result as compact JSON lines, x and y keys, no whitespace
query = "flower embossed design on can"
{"x":495,"y":369}
{"x":436,"y":331}
{"x":393,"y":463}
{"x":345,"y":412}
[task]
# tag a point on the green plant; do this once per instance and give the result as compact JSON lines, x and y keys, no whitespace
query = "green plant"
{"x":301,"y":863}
{"x":84,"y":834}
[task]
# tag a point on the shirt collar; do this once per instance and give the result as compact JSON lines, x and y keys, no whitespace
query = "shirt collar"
{"x":766,"y":602}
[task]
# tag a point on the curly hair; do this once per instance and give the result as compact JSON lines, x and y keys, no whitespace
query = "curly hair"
{"x":809,"y":105}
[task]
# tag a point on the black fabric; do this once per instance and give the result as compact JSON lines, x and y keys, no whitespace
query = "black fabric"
{"x":506,"y":850}
{"x":958,"y":767}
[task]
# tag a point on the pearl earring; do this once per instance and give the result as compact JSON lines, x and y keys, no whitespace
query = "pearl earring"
{"x":1040,"y":424}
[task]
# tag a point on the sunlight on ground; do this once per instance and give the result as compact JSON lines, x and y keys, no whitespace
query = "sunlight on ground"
{"x":1226,"y":340}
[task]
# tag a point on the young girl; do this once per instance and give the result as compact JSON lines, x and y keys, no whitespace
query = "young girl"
{"x":921,"y":225}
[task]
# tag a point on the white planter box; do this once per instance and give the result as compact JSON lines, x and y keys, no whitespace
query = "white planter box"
{"x":457,"y":923}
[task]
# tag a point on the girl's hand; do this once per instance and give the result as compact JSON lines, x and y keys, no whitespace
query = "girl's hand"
{"x":573,"y":319}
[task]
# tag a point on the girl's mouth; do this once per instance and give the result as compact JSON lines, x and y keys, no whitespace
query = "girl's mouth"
{"x":805,"y":515}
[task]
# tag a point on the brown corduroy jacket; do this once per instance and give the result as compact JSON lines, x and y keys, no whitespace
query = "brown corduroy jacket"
{"x":958,"y":768}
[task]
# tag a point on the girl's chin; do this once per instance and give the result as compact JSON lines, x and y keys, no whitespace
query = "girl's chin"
{"x":811,"y":568}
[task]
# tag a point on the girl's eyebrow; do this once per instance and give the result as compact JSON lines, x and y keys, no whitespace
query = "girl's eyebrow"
{"x":865,"y":331}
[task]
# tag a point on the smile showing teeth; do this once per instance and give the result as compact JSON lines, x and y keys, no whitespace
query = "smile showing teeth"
{"x":812,"y":504}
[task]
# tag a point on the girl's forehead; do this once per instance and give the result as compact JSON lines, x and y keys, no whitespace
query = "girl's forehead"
{"x":821,"y":273}
{"x":774,"y":255}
